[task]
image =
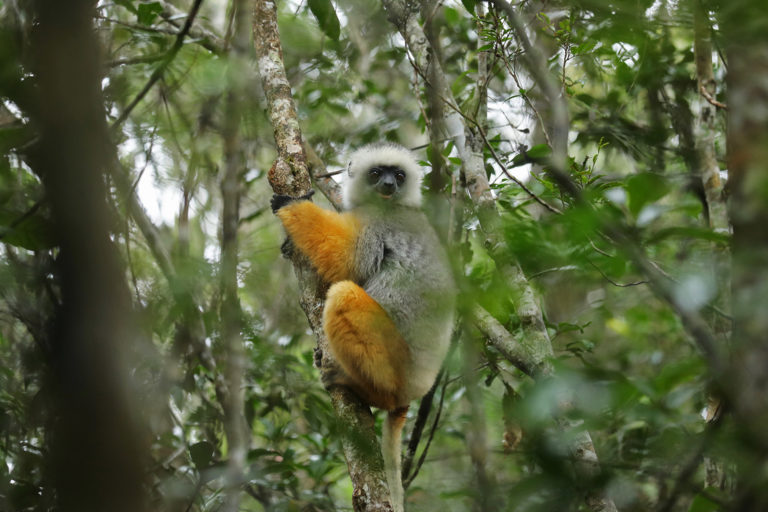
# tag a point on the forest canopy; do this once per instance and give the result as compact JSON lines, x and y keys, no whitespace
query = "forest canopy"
{"x":596,"y":169}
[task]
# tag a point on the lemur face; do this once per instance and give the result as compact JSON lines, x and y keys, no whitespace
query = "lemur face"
{"x":384,"y":175}
{"x":386,"y":180}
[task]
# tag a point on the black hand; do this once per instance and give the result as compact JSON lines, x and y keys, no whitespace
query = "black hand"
{"x":287,"y":248}
{"x":279,"y":200}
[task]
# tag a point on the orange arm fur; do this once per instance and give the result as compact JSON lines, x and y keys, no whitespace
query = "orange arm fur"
{"x":327,"y":238}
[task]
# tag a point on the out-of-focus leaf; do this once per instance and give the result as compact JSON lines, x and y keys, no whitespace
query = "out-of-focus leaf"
{"x":201,"y":454}
{"x":536,"y":154}
{"x":147,"y":12}
{"x":33,"y":232}
{"x":645,"y":188}
{"x":128,"y":4}
{"x":326,"y":17}
{"x":690,"y":232}
{"x":13,"y":136}
{"x":452,"y":16}
{"x":701,"y":503}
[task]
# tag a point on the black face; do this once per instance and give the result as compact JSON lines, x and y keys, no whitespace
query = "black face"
{"x":386,"y":180}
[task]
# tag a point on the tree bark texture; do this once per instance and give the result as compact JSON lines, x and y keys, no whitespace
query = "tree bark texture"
{"x":708,"y":170}
{"x":706,"y":122}
{"x":289,"y":175}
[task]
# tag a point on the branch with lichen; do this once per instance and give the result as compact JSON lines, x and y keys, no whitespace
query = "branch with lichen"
{"x":289,"y":175}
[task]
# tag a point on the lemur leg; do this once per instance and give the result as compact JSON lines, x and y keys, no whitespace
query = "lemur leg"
{"x":367,"y":345}
{"x":327,"y":238}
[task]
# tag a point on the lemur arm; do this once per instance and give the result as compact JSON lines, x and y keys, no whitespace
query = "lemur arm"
{"x":327,"y":238}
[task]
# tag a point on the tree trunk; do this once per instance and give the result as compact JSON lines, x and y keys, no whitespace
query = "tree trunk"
{"x":289,"y":175}
{"x":231,"y":325}
{"x":97,"y":450}
{"x":746,"y":31}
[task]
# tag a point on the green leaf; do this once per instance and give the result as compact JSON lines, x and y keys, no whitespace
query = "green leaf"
{"x":585,"y":47}
{"x":148,"y":12}
{"x":536,"y":154}
{"x":6,"y":181}
{"x":13,"y":136}
{"x":451,"y":15}
{"x":201,"y":454}
{"x":539,"y":151}
{"x":690,"y":232}
{"x":326,"y":17}
{"x":469,"y":5}
{"x":701,"y":503}
{"x":645,"y":188}
{"x":27,"y":229}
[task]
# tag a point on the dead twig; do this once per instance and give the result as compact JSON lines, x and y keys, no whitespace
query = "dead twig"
{"x":705,"y":94}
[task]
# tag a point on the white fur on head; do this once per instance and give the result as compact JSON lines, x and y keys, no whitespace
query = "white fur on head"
{"x":386,"y":153}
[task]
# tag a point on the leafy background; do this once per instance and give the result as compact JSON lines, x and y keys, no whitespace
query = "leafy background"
{"x":622,"y":356}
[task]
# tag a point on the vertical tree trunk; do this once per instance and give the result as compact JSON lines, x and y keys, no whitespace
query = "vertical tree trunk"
{"x":289,"y":175}
{"x":706,"y":127}
{"x":231,"y":340}
{"x":708,"y":171}
{"x":97,"y":452}
{"x":746,"y":31}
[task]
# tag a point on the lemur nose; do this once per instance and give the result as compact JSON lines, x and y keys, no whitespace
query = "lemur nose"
{"x":387,"y":184}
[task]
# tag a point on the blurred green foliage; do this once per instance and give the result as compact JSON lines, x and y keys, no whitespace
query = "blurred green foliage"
{"x":622,"y":357}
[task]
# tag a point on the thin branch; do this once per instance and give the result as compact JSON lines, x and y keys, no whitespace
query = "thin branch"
{"x":546,"y":271}
{"x":542,"y":124}
{"x":689,"y":468}
{"x":322,"y":178}
{"x":510,"y":348}
{"x":599,"y":251}
{"x":432,"y":431}
{"x":614,"y":283}
{"x":148,"y":59}
{"x":160,"y":70}
{"x":693,"y":322}
{"x":158,"y":247}
{"x":202,"y":35}
{"x":19,"y":220}
{"x":138,"y":26}
{"x":537,"y":66}
{"x":425,"y":406}
{"x":510,"y":176}
{"x":496,"y":157}
{"x":705,"y":93}
{"x":328,"y":174}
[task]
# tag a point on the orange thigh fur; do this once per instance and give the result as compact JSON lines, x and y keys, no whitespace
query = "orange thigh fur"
{"x":366,"y":344}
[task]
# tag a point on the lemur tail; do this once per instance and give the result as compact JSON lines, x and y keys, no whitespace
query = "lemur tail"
{"x":390,"y":449}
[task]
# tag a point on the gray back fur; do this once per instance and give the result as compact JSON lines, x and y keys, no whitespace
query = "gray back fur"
{"x":402,"y":265}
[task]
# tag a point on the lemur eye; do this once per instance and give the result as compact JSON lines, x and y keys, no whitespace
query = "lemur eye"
{"x":373,"y":175}
{"x":400,"y":176}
